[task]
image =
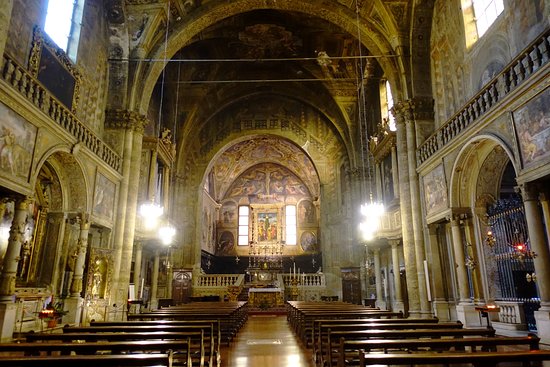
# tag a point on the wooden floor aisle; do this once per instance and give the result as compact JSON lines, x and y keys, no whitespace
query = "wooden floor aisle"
{"x":266,"y":341}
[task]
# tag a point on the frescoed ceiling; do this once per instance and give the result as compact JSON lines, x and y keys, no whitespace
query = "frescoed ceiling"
{"x":237,"y":159}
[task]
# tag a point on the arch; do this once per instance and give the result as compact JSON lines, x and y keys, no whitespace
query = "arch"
{"x":463,"y":188}
{"x":376,"y":39}
{"x":74,"y":183}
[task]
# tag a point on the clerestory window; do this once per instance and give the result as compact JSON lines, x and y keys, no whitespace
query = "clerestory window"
{"x":485,"y":13}
{"x":290,"y":227}
{"x":244,"y":212}
{"x":63,"y":23}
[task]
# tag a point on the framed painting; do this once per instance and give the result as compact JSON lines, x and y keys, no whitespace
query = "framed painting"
{"x":306,"y":213}
{"x":308,"y":241}
{"x":17,"y":141}
{"x":532,"y":126}
{"x":104,"y":197}
{"x":53,"y":68}
{"x":387,"y":180}
{"x":267,"y":226}
{"x":435,"y":190}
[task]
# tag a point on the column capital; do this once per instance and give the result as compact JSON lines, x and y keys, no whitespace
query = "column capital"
{"x":411,"y":110}
{"x":394,"y":242}
{"x":529,"y":191}
{"x":124,"y":119}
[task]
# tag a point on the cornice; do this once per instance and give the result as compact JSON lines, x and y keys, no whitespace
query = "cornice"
{"x":124,"y":119}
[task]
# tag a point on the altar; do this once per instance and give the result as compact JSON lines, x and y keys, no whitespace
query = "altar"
{"x":265,"y":297}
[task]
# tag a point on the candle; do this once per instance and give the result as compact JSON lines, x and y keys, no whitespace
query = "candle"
{"x":294,"y":274}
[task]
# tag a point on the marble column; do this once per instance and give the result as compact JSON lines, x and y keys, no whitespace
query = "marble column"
{"x":395,"y":173}
{"x":409,"y":251}
{"x":128,"y":127}
{"x":11,"y":258}
{"x":138,"y":252}
{"x":440,"y":301}
{"x":416,"y":210}
{"x":154,"y":282}
{"x":82,"y":247}
{"x":8,"y":307}
{"x":535,"y":228}
{"x":5,"y":18}
{"x":544,"y":196}
{"x":460,"y":260}
{"x":380,"y":301}
{"x":398,"y":301}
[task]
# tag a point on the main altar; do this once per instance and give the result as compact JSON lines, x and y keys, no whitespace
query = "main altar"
{"x":265,"y":297}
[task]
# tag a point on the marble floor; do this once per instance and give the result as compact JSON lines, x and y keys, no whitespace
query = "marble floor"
{"x":266,"y":341}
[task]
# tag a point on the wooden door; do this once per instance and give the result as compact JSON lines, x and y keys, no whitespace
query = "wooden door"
{"x":351,"y":285}
{"x":181,"y":285}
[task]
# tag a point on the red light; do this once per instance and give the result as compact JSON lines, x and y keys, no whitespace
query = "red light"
{"x":520,"y":247}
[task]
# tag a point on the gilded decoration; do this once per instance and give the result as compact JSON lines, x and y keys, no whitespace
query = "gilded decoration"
{"x":52,"y":67}
{"x":100,"y":269}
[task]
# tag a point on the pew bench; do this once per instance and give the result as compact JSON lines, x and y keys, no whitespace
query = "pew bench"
{"x":104,"y":360}
{"x":196,"y":339}
{"x":325,"y":354}
{"x":348,"y":349}
{"x":478,"y":359}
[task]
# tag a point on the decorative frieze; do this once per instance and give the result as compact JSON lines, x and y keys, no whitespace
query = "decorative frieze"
{"x":124,"y":119}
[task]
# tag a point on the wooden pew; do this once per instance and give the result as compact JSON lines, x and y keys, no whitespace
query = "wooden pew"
{"x":348,"y":349}
{"x":197,"y":352}
{"x":321,"y":343}
{"x":107,"y":360}
{"x":206,"y":342}
{"x":478,"y":359}
{"x":334,"y":337}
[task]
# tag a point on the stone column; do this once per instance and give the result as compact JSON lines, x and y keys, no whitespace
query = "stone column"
{"x":82,"y":247}
{"x":460,"y":260}
{"x":5,"y":18}
{"x":415,"y":109}
{"x":409,"y":251}
{"x":11,"y":258}
{"x":74,"y":303}
{"x":472,"y":249}
{"x":398,"y":301}
{"x":8,"y":308}
{"x":129,"y":127}
{"x":545,"y":210}
{"x":153,"y":305}
{"x":439,"y":295}
{"x":395,"y":173}
{"x":465,"y":309}
{"x":380,"y":301}
{"x":535,"y":227}
{"x":138,"y":252}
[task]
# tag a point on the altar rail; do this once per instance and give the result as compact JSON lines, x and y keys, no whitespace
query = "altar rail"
{"x":533,"y":58}
{"x":216,"y":284}
{"x":23,"y":82}
{"x":305,"y":280}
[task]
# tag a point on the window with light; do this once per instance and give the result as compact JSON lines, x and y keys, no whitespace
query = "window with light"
{"x":485,"y":13}
{"x":244,"y":213}
{"x":290,"y":224}
{"x":63,"y":23}
{"x":387,"y":104}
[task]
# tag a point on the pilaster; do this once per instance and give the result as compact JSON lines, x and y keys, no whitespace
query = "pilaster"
{"x":398,"y":304}
{"x":5,"y":17}
{"x":153,"y":304}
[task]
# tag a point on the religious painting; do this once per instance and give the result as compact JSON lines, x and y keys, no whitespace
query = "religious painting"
{"x":387,"y":180}
{"x":306,"y":213}
{"x":17,"y":140}
{"x":53,"y":68}
{"x":5,"y":226}
{"x":435,"y":190}
{"x":308,"y":241}
{"x":532,"y":124}
{"x":267,"y":227}
{"x":104,"y":197}
{"x":229,"y":213}
{"x":226,"y":243}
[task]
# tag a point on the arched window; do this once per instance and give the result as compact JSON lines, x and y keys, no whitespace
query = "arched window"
{"x":479,"y":15}
{"x":486,"y":12}
{"x":63,"y":23}
{"x":290,"y":224}
{"x":244,"y":212}
{"x":386,"y":104}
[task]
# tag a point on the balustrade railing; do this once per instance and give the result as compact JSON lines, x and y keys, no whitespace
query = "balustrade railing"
{"x":535,"y":56}
{"x":31,"y":89}
{"x":305,"y":280}
{"x":218,"y":280}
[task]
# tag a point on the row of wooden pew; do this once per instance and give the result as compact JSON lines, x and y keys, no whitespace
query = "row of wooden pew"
{"x":186,"y":335}
{"x":341,"y":334}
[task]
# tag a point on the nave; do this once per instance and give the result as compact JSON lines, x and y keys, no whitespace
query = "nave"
{"x":266,"y":341}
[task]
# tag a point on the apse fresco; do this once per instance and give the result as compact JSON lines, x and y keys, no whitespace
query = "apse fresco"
{"x":267,"y":183}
